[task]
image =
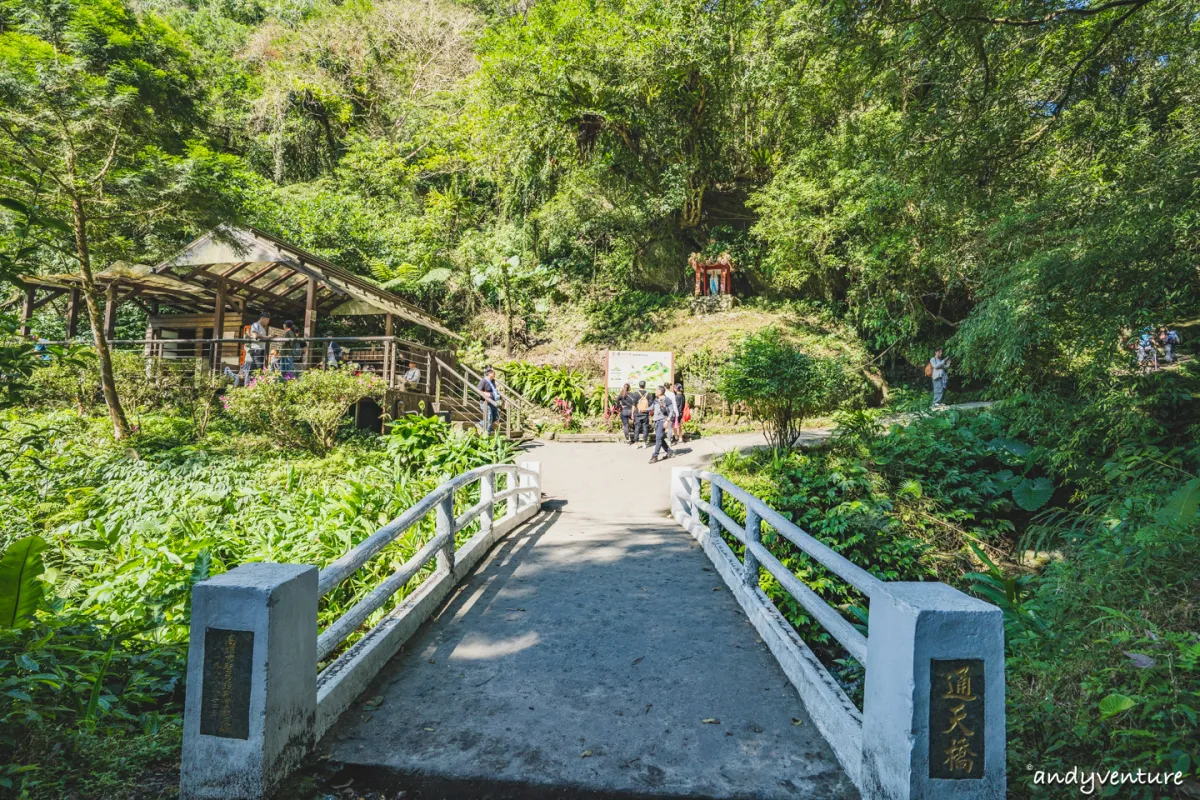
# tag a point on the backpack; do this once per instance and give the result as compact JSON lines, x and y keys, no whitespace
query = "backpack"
{"x":929,"y":370}
{"x":643,"y":404}
{"x":1172,"y":337}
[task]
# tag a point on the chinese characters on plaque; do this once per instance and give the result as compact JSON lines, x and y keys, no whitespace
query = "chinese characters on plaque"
{"x":225,"y":693}
{"x":956,"y":703}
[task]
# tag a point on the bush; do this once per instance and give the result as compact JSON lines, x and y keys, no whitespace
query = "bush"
{"x":307,"y":412}
{"x":544,"y":385}
{"x":618,"y":318}
{"x":780,"y":384}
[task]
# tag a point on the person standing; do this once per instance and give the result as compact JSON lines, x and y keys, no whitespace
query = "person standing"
{"x":937,"y":370}
{"x":672,"y":411}
{"x":641,"y":416}
{"x":626,"y":405}
{"x":681,"y":402}
{"x":256,"y":349}
{"x":662,"y":412}
{"x":1170,"y":340}
{"x":289,"y":349}
{"x":489,"y":403}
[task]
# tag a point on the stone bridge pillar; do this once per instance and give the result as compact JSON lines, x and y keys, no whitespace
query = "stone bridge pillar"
{"x":933,"y":712}
{"x":250,"y":713}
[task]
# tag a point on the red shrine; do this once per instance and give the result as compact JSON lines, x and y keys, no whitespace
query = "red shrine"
{"x":713,"y":277}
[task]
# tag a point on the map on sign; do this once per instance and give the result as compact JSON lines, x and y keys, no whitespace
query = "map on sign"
{"x":631,"y":366}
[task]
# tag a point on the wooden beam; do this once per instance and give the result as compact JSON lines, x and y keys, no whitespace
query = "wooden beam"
{"x":310,"y":322}
{"x":27,"y":308}
{"x":73,"y":314}
{"x":51,"y":295}
{"x":218,"y":324}
{"x":388,"y":323}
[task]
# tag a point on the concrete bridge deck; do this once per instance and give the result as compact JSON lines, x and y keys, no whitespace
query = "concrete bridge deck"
{"x":594,"y":652}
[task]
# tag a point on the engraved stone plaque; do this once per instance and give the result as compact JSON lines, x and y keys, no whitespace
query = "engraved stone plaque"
{"x":225,"y":694}
{"x":956,"y":703}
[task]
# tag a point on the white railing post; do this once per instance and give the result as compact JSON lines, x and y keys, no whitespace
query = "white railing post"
{"x":250,"y":711}
{"x":933,"y":710}
{"x":749,"y":560}
{"x":444,"y":525}
{"x":510,"y":503}
{"x":714,"y":501}
{"x":534,"y":481}
{"x":681,"y":481}
{"x":487,"y":491}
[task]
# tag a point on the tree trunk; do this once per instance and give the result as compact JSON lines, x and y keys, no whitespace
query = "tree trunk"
{"x":508,"y":315}
{"x":108,"y":384}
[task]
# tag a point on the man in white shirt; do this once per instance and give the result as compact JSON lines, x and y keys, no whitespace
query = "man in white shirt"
{"x":412,"y":378}
{"x":256,"y":349}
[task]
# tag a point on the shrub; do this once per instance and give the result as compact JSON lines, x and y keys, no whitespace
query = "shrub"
{"x":307,"y":412}
{"x":544,"y":385}
{"x":617,"y":318}
{"x":780,"y":384}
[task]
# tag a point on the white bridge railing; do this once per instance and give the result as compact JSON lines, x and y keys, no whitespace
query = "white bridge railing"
{"x":932,"y":723}
{"x":256,"y":704}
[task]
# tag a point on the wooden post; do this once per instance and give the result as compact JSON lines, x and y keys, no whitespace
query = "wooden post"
{"x":73,"y":314}
{"x":218,"y":326}
{"x":310,"y":322}
{"x":388,"y":324}
{"x":110,"y":312}
{"x":27,"y":309}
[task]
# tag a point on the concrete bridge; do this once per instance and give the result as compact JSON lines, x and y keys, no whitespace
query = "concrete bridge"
{"x":584,"y":630}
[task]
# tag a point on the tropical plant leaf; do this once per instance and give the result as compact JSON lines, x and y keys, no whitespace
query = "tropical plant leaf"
{"x":436,"y":275}
{"x":1115,"y":704}
{"x":1019,"y":449}
{"x":1031,"y":495}
{"x":20,"y":589}
{"x":14,"y":205}
{"x":1180,"y":508}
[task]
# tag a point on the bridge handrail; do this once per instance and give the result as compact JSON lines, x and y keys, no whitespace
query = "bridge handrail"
{"x":829,"y":618}
{"x":441,"y":499}
{"x":921,"y":636}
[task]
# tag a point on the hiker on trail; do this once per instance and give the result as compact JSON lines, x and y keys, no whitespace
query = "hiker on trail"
{"x":662,"y":413}
{"x":1145,"y":347}
{"x":936,"y":369}
{"x":490,"y":400}
{"x":1170,"y":340}
{"x":684,"y":411}
{"x":626,"y":404}
{"x":641,"y":416}
{"x":289,"y":349}
{"x":256,"y":350}
{"x":673,"y":404}
{"x":412,"y":378}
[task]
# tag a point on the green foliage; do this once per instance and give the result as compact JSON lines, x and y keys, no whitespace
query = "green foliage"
{"x":616,"y":319}
{"x":543,"y":384}
{"x":305,"y":412}
{"x":780,"y":384}
{"x":131,"y":530}
{"x":20,"y":589}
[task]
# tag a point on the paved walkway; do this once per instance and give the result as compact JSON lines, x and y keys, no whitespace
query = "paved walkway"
{"x":595,"y":651}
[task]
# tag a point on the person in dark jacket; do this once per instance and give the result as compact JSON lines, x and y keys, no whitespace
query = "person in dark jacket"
{"x":627,"y":405}
{"x":662,"y":418}
{"x":641,"y":427}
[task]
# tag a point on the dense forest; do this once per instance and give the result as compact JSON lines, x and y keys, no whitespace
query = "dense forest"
{"x":1015,"y":180}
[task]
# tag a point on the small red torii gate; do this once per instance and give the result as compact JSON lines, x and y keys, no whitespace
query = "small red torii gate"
{"x":712,"y":277}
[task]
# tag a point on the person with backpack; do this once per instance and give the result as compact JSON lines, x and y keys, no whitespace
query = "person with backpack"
{"x":1170,"y":342}
{"x":490,"y":401}
{"x":1145,"y":347}
{"x":662,"y":416}
{"x":641,"y":416}
{"x":936,"y":369}
{"x":626,"y":405}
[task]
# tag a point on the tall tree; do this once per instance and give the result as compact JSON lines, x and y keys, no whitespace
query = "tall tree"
{"x":97,"y":105}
